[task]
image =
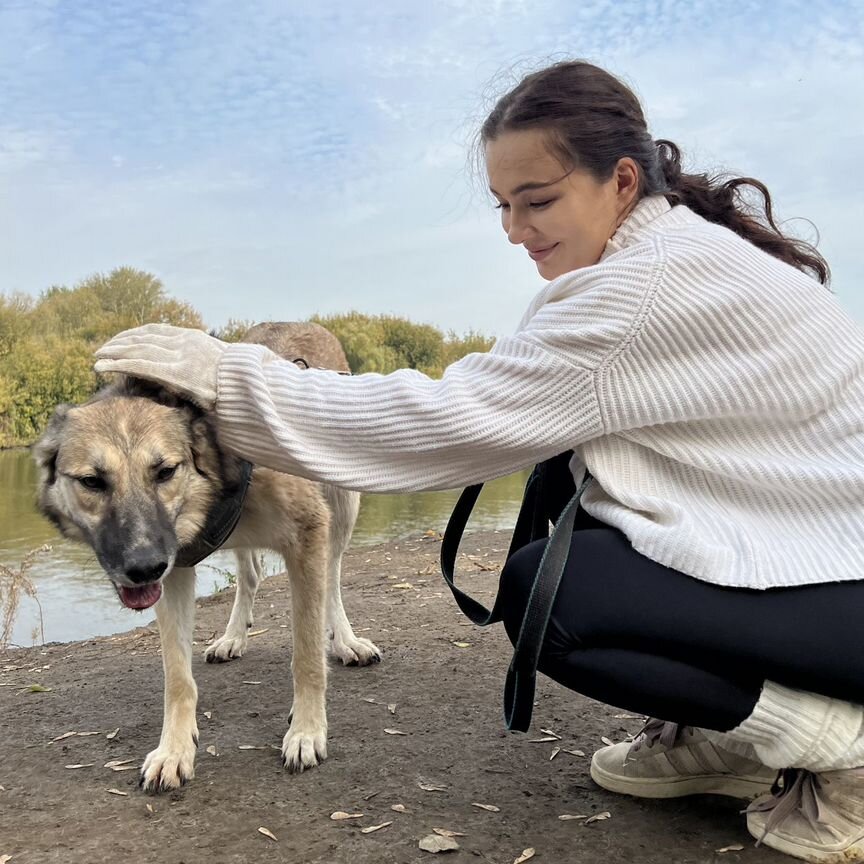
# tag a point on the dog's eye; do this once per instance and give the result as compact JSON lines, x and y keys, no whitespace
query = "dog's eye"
{"x":92,"y":482}
{"x":163,"y":475}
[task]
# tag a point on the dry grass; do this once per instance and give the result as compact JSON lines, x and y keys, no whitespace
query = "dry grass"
{"x":13,"y":585}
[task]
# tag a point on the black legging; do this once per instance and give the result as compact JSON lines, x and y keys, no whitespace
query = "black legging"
{"x":643,"y":637}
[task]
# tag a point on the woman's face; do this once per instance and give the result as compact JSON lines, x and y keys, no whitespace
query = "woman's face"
{"x":562,"y":218}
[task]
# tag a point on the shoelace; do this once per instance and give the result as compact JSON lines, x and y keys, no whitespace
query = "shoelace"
{"x":668,"y":734}
{"x":795,"y":789}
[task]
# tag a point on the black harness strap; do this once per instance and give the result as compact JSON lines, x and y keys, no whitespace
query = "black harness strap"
{"x":539,"y":507}
{"x":221,"y":521}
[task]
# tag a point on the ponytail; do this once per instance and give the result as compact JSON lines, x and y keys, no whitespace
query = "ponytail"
{"x":723,"y":202}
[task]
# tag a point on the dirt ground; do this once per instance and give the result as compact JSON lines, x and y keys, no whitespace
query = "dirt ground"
{"x":447,"y":703}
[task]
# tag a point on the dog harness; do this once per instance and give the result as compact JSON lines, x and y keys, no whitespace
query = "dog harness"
{"x":221,"y":521}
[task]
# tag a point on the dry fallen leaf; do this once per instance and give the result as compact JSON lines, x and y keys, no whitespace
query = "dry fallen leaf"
{"x":543,"y":740}
{"x":555,"y":752}
{"x":403,"y":585}
{"x":250,"y":747}
{"x":446,"y":832}
{"x":550,"y":732}
{"x":212,"y":751}
{"x":462,"y":644}
{"x":117,"y":792}
{"x":394,"y":732}
{"x":208,"y":714}
{"x":252,"y":633}
{"x":116,"y":763}
{"x":370,"y":701}
{"x":490,"y":807}
{"x":432,"y":787}
{"x":112,"y":735}
{"x":607,"y":741}
{"x":151,"y":808}
{"x":88,"y":765}
{"x":735,"y":847}
{"x":599,"y":817}
{"x":392,"y":707}
{"x":526,"y":855}
{"x":372,"y":828}
{"x":253,"y":682}
{"x":341,"y":814}
{"x":566,"y":817}
{"x":438,"y":843}
{"x":38,"y":688}
{"x":399,"y":808}
{"x":574,"y":752}
{"x":63,"y":736}
{"x":266,"y":833}
{"x":628,"y":717}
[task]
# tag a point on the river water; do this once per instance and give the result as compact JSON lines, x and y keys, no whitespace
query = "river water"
{"x":77,"y":602}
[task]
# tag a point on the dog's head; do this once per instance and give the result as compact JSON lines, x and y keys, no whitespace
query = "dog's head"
{"x":132,"y":473}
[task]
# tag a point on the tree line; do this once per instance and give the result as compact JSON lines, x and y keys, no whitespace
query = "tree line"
{"x":47,"y":342}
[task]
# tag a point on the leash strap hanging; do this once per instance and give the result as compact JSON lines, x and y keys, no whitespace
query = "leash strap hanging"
{"x":531,"y":524}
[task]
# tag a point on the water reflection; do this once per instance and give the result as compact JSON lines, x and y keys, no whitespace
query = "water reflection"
{"x":78,"y":602}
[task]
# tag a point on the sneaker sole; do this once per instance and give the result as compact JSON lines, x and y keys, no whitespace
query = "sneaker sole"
{"x":851,"y":854}
{"x":733,"y":786}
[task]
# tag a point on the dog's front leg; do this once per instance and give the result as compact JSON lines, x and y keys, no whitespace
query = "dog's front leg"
{"x":172,"y":763}
{"x":305,"y":743}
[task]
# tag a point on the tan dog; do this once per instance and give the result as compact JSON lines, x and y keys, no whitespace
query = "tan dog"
{"x":134,"y":473}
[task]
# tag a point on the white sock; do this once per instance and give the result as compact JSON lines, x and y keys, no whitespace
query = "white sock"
{"x":796,"y":729}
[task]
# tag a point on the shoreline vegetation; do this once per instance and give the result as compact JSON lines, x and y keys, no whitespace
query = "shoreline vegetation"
{"x":47,"y":342}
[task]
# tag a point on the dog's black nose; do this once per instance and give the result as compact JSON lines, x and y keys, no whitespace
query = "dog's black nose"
{"x":141,"y":572}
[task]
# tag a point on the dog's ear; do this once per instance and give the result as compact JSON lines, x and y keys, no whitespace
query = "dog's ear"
{"x":45,"y":450}
{"x":206,"y":455}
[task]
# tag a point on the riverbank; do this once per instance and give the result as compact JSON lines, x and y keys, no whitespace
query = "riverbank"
{"x":444,"y":677}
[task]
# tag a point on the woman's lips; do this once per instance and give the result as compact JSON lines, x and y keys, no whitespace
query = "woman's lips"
{"x":541,"y":254}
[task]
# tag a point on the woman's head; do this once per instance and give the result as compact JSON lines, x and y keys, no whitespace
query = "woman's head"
{"x":569,"y":155}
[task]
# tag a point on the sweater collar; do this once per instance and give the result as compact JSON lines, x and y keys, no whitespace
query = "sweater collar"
{"x":645,"y":212}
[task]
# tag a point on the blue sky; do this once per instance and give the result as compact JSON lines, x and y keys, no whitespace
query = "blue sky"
{"x":268,"y":160}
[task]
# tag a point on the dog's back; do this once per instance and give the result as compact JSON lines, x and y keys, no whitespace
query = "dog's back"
{"x":301,"y":340}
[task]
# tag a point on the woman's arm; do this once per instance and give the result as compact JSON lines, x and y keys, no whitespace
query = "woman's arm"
{"x":490,"y":414}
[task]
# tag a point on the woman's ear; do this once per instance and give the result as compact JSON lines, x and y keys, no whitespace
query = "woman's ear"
{"x":627,"y":178}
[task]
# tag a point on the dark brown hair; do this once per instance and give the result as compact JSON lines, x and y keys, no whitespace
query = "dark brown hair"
{"x":593,"y":120}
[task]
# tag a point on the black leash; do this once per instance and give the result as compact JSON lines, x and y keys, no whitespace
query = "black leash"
{"x":539,"y":507}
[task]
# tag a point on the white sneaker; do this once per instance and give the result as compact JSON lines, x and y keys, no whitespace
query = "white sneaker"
{"x":814,"y":817}
{"x":670,"y":761}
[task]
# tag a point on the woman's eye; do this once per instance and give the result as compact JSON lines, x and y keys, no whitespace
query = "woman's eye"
{"x":539,"y":205}
{"x":163,"y":475}
{"x":92,"y":482}
{"x":502,"y":206}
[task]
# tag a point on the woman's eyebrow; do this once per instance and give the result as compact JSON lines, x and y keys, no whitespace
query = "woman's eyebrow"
{"x":526,"y":187}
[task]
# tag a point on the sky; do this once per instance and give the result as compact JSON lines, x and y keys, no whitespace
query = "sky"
{"x":269,"y":160}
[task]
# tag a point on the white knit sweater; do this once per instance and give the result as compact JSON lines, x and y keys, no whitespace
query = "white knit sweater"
{"x":715,"y":393}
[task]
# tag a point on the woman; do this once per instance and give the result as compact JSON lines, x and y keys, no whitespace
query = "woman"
{"x":715,"y":391}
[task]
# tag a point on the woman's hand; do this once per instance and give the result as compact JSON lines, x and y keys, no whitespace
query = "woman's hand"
{"x":184,"y":361}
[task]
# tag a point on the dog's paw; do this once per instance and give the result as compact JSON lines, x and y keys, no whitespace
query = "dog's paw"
{"x":168,"y":767}
{"x":227,"y":647}
{"x":302,"y":749}
{"x":354,"y":650}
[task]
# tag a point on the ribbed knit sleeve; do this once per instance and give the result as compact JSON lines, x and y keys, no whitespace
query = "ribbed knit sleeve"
{"x":531,"y":397}
{"x":490,"y":414}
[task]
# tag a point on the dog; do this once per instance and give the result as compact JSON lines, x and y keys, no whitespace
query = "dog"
{"x":135,"y":472}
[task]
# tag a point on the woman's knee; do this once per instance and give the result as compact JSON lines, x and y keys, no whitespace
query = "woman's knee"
{"x":515,"y":584}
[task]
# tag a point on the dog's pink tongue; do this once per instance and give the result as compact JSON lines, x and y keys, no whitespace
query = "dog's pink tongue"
{"x":140,"y":598}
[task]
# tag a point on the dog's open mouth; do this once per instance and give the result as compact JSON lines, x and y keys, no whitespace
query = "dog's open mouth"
{"x":140,"y":597}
